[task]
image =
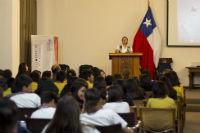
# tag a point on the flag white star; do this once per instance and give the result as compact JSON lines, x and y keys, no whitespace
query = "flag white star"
{"x":147,"y":22}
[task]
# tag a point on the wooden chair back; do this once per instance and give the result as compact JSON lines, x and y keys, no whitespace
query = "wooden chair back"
{"x":36,"y":125}
{"x":110,"y":129}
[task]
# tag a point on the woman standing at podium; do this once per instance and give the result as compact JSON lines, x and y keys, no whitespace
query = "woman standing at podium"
{"x":124,"y":47}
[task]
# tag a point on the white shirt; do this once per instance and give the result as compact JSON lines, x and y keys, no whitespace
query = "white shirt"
{"x":118,"y":107}
{"x":26,"y":100}
{"x":102,"y":117}
{"x":44,"y":113}
{"x":124,"y":49}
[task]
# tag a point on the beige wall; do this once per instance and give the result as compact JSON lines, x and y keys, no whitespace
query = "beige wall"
{"x":9,"y":34}
{"x":89,"y":29}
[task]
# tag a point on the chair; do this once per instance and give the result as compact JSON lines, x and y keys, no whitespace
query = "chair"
{"x":110,"y":129}
{"x":36,"y":125}
{"x":157,"y":120}
{"x":130,"y":118}
{"x":26,"y":112}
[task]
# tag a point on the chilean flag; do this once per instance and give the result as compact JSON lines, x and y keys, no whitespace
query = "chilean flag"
{"x":148,"y":42}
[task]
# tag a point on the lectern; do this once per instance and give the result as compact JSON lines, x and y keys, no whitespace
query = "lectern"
{"x":125,"y":63}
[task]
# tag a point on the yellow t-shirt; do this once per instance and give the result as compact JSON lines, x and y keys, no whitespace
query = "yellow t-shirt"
{"x":60,"y":86}
{"x":166,"y":102}
{"x":7,"y":92}
{"x":34,"y":86}
{"x":90,"y":85}
{"x":179,"y":90}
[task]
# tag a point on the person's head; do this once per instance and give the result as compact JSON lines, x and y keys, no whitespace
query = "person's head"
{"x":8,"y":116}
{"x":78,"y":89}
{"x":66,"y":118}
{"x":102,"y":74}
{"x":23,"y":84}
{"x":109,"y":80}
{"x":49,"y":98}
{"x":145,"y":80}
{"x":46,"y":75}
{"x":124,"y":40}
{"x":35,"y":75}
{"x":23,"y":69}
{"x":115,"y":93}
{"x":55,"y":69}
{"x":61,"y":76}
{"x":7,"y":74}
{"x":159,"y":89}
{"x":71,"y":73}
{"x":100,"y":84}
{"x":92,"y":98}
{"x":64,"y":67}
{"x":88,"y":75}
{"x":167,"y":82}
{"x":130,"y":85}
{"x":3,"y":83}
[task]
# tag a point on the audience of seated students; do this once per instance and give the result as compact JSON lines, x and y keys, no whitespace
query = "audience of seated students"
{"x":60,"y":81}
{"x":9,"y":114}
{"x":35,"y":75}
{"x":67,"y":89}
{"x":89,"y":77}
{"x":23,"y":97}
{"x":160,"y":98}
{"x":115,"y":100}
{"x":145,"y":80}
{"x":23,"y":69}
{"x":173,"y":77}
{"x":171,"y":91}
{"x":7,"y":74}
{"x":94,"y":115}
{"x":66,"y":118}
{"x":46,"y":84}
{"x":78,"y":89}
{"x":48,"y":106}
{"x":55,"y":69}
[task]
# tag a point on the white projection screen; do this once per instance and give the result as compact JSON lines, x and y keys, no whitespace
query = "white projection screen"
{"x":183,"y":23}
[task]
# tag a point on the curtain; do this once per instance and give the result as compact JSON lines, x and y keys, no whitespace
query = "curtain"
{"x":28,"y":27}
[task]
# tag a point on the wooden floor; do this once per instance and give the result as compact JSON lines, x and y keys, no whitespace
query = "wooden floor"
{"x":192,"y":124}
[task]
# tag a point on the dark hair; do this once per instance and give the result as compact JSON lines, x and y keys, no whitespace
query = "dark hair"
{"x":3,"y":83}
{"x":170,"y":90}
{"x":48,"y":96}
{"x":55,"y":69}
{"x":100,"y":84}
{"x":66,"y":118}
{"x":115,"y":93}
{"x":71,"y":73}
{"x":86,"y":74}
{"x":61,"y":76}
{"x":64,"y":67}
{"x":9,"y":114}
{"x":109,"y":80}
{"x":96,"y":71}
{"x":7,"y":74}
{"x":22,"y":69}
{"x":124,"y":37}
{"x":21,"y":81}
{"x":92,"y":97}
{"x":145,"y":80}
{"x":159,"y":89}
{"x":35,"y":75}
{"x":46,"y":75}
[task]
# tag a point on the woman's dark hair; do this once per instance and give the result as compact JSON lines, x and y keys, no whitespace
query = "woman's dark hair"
{"x":66,"y":118}
{"x":35,"y":75}
{"x":92,"y":97}
{"x":61,"y":76}
{"x":71,"y":73}
{"x":46,"y":75}
{"x":170,"y":90}
{"x":115,"y":93}
{"x":7,"y":74}
{"x":159,"y":89}
{"x":9,"y":115}
{"x":86,"y":74}
{"x":145,"y":80}
{"x":22,"y":69}
{"x":100,"y":84}
{"x":173,"y":77}
{"x":20,"y":82}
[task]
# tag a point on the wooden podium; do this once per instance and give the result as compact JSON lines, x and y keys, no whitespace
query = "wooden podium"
{"x":125,"y":63}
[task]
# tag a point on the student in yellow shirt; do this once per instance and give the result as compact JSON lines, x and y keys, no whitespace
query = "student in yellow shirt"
{"x":173,"y":77}
{"x":89,"y":77}
{"x":60,"y":81}
{"x":160,"y":98}
{"x":7,"y":74}
{"x":35,"y":75}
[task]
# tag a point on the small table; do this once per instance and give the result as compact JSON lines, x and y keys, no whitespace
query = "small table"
{"x":192,"y":72}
